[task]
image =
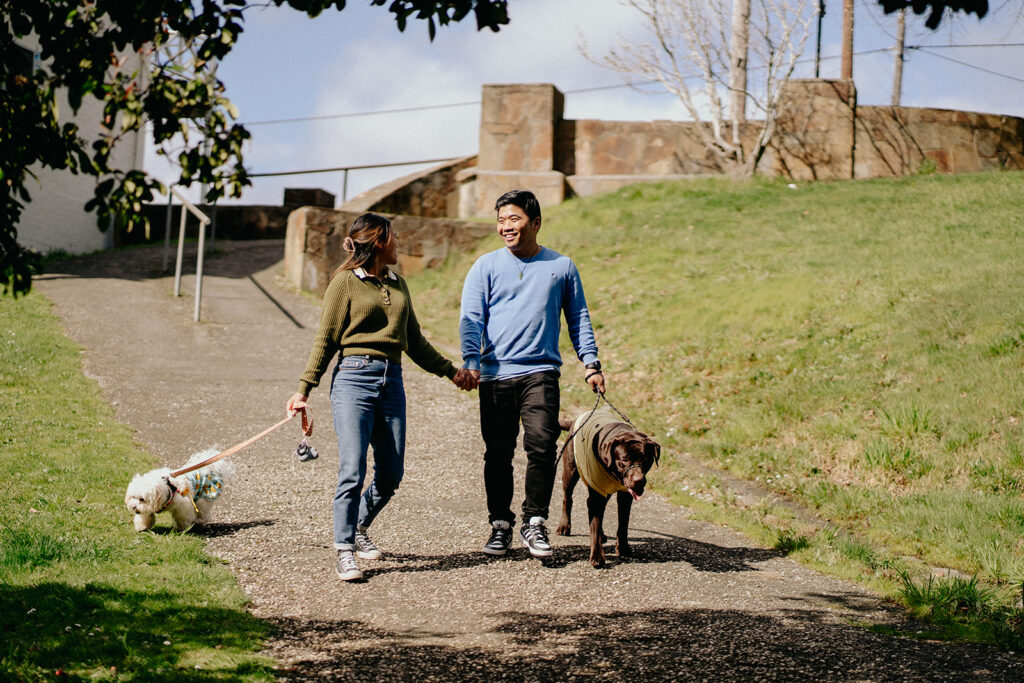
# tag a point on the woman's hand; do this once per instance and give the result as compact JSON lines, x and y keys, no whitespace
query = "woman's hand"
{"x":467,"y":380}
{"x":296,"y":403}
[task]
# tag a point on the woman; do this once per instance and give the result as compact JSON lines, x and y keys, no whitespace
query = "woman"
{"x":367,"y":320}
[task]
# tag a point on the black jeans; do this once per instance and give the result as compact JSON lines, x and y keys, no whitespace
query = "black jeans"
{"x":532,"y":399}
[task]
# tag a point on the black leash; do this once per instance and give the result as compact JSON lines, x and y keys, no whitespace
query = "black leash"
{"x":576,"y":431}
{"x":620,"y":413}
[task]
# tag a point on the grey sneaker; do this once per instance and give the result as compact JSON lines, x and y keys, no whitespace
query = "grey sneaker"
{"x":365,"y":549}
{"x":535,"y":537}
{"x":501,"y":538}
{"x":347,"y":568}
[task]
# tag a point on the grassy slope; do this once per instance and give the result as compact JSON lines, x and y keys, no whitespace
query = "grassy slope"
{"x":858,"y":346}
{"x":80,"y":591}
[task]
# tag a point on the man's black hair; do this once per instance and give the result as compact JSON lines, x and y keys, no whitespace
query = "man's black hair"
{"x":524,"y":199}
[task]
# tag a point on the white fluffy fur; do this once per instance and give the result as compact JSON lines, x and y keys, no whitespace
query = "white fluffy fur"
{"x":148,"y":493}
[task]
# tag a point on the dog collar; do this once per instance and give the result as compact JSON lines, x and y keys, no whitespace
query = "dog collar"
{"x":173,"y":489}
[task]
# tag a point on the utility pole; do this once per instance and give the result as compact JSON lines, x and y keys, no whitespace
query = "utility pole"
{"x":847,"y":65}
{"x":817,"y":49}
{"x":897,"y":70}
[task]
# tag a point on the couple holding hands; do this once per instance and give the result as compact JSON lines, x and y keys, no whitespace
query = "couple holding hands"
{"x":512,"y":303}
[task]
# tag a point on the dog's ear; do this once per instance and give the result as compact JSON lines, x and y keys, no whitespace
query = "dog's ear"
{"x":652,"y":449}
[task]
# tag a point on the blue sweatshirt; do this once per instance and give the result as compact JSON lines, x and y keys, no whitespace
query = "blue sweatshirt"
{"x":511,"y":311}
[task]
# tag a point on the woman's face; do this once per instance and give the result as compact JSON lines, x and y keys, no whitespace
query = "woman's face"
{"x":389,"y":252}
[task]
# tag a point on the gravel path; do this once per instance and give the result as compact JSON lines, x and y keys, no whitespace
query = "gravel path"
{"x":699,"y":602}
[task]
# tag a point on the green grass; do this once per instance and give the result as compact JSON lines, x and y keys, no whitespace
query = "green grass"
{"x":80,"y":591}
{"x":855,"y":346}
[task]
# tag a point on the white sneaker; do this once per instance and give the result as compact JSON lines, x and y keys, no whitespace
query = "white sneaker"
{"x":535,"y":537}
{"x":501,"y":537}
{"x":347,"y":568}
{"x":365,"y":549}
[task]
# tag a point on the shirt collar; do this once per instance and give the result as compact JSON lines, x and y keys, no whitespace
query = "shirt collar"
{"x":362,"y":274}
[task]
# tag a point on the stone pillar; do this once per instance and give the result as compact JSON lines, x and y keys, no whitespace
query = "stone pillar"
{"x":815,"y":135}
{"x":517,"y":127}
{"x":518,"y":142}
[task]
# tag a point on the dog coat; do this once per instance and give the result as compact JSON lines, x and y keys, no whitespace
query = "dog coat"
{"x":206,"y":485}
{"x":588,"y":464}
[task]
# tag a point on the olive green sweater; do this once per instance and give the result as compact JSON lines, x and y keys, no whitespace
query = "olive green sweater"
{"x":356,"y":321}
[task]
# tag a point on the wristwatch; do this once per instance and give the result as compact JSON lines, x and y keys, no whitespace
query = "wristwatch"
{"x":596,"y":365}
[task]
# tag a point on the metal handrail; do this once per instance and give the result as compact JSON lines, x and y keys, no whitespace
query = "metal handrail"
{"x":346,"y":169}
{"x":203,"y":222}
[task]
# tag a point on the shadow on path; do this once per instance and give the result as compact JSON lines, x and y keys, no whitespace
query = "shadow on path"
{"x":229,"y":259}
{"x":673,"y":644}
{"x":705,"y":557}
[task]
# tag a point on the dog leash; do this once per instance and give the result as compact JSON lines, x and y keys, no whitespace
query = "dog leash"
{"x":307,"y":429}
{"x":577,"y":430}
{"x":600,"y":397}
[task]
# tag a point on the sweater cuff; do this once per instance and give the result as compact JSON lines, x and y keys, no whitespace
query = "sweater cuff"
{"x":305,"y":388}
{"x":449,"y":372}
{"x":471,"y":362}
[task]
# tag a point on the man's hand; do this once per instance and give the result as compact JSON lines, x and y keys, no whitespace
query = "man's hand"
{"x":595,"y":378}
{"x":467,"y":380}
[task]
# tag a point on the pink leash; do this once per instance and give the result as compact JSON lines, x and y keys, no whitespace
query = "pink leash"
{"x":307,"y":429}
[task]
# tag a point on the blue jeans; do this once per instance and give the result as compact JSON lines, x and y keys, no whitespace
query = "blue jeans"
{"x":368,"y":405}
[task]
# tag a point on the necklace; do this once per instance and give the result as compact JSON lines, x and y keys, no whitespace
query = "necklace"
{"x":524,"y":262}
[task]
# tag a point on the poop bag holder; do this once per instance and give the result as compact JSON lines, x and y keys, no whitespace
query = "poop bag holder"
{"x":306,"y":452}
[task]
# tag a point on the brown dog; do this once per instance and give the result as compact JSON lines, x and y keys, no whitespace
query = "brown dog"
{"x":610,"y":456}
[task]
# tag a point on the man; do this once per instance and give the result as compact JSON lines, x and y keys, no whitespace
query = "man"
{"x":512,"y":302}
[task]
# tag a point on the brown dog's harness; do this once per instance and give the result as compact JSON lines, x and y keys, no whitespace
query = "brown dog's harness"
{"x":579,"y":425}
{"x":588,"y":464}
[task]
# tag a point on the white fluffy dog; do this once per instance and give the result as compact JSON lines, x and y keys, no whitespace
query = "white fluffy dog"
{"x":188,"y":497}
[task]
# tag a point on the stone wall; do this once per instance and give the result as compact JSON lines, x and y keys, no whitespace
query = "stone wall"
{"x":234,"y":221}
{"x":313,"y":243}
{"x":525,"y":142}
{"x":815,"y":135}
{"x":895,"y":141}
{"x":433,"y":193}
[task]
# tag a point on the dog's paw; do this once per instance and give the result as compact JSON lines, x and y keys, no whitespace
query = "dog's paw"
{"x":623,"y":549}
{"x":144,"y":522}
{"x":597,"y":561}
{"x":563,"y":530}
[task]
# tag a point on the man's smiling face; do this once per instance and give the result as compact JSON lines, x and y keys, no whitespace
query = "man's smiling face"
{"x":517,"y":231}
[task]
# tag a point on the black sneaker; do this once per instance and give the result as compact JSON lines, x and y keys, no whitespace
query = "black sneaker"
{"x":347,"y":568}
{"x":535,"y":537}
{"x":365,"y":549}
{"x":501,"y":538}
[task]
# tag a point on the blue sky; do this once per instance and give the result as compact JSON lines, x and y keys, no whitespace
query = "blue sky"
{"x":288,"y":66}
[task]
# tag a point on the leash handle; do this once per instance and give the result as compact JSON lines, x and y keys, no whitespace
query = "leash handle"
{"x":307,"y":429}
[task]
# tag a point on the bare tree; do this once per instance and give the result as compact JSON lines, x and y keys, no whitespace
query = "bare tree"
{"x":688,"y":52}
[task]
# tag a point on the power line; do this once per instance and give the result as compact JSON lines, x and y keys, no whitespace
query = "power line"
{"x":969,"y":65}
{"x":429,"y":107}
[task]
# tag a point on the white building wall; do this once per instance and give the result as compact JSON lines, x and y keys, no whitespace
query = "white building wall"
{"x":55,"y":218}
